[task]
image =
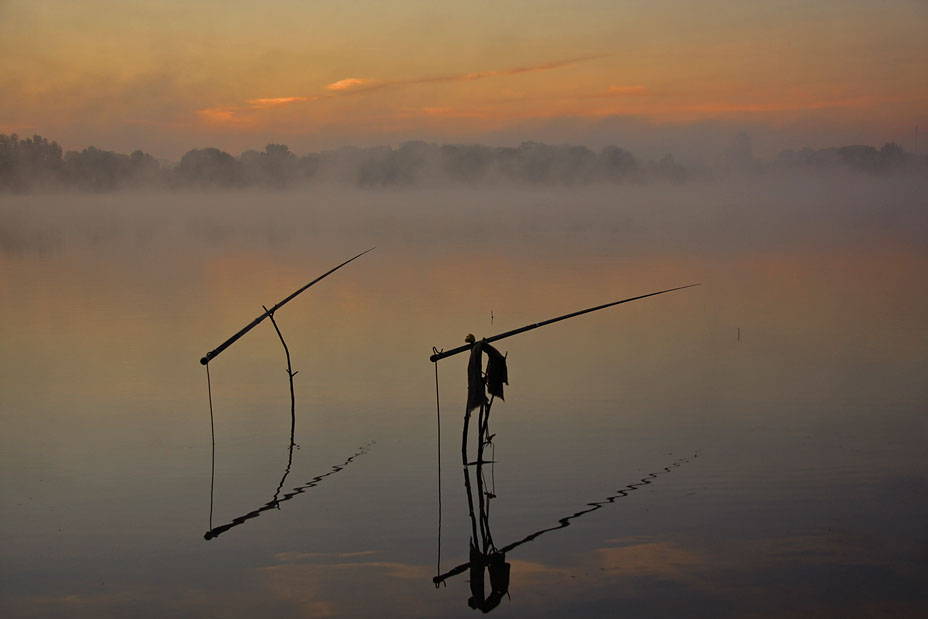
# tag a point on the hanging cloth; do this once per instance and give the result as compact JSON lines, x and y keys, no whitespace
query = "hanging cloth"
{"x":497,"y":375}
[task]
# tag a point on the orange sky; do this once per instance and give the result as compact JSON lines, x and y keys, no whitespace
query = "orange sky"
{"x":167,"y":76}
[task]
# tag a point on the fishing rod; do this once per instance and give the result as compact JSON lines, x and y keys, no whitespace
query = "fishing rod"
{"x":496,"y":368}
{"x":267,"y":312}
{"x":437,"y":356}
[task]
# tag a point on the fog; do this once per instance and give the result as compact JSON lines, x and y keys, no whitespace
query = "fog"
{"x":706,"y":216}
{"x":796,"y":368}
{"x":38,"y":165}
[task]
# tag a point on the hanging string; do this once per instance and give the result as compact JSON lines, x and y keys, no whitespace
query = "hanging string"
{"x":212,"y":429}
{"x":438,"y":419}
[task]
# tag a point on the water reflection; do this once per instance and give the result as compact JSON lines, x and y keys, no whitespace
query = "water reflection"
{"x":815,"y":424}
{"x":485,"y":557}
{"x":275,"y":501}
{"x":483,"y":553}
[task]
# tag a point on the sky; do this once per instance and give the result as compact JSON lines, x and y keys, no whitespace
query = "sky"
{"x":654,"y":76}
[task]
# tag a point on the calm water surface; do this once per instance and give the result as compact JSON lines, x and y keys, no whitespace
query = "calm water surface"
{"x":777,"y":411}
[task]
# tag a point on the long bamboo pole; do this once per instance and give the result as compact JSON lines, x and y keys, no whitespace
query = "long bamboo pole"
{"x":267,"y":312}
{"x":454,"y":351}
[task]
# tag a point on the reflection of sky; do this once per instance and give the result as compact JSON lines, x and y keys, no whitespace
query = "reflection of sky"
{"x":808,"y":493}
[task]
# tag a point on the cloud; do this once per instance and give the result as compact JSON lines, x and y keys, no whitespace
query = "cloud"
{"x":531,"y":69}
{"x":229,"y":115}
{"x":348,"y":83}
{"x":243,"y":114}
{"x":274,"y":101}
{"x":467,"y":77}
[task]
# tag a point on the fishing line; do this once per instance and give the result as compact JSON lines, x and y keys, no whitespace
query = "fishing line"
{"x":438,"y":419}
{"x":212,"y":429}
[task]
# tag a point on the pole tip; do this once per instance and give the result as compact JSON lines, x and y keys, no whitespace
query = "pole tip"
{"x":204,"y":360}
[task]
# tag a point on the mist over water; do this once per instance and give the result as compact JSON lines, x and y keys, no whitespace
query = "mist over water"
{"x":791,"y":381}
{"x":40,"y":165}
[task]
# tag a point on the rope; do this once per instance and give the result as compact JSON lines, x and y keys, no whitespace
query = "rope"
{"x":212,"y":429}
{"x":438,"y":420}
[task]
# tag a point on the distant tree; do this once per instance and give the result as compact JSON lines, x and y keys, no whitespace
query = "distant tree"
{"x":617,"y":164}
{"x":96,"y":170}
{"x":668,"y":169}
{"x":402,"y":167}
{"x":739,"y":156}
{"x":30,"y":163}
{"x":892,"y":157}
{"x":210,"y":167}
{"x":308,"y":165}
{"x":144,"y":169}
{"x":276,"y":167}
{"x":465,"y":163}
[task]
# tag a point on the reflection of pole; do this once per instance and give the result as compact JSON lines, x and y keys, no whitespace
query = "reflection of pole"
{"x":470,"y":506}
{"x":562,"y":522}
{"x":483,"y":502}
{"x":275,"y":503}
{"x":286,"y":470}
{"x":470,"y":496}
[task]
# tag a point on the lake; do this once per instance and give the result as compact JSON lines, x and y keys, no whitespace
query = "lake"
{"x":753,"y":446}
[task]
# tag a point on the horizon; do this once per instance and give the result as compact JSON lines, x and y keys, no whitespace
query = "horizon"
{"x":397,"y":144}
{"x":36,"y":163}
{"x":670,"y":78}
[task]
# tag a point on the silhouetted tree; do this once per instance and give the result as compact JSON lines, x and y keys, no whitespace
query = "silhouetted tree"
{"x":384,"y":166}
{"x":739,"y":156}
{"x":32,"y":163}
{"x":617,"y":164}
{"x":668,"y":169}
{"x":276,"y":167}
{"x":465,"y":163}
{"x":891,"y":157}
{"x":210,"y":166}
{"x":38,"y":164}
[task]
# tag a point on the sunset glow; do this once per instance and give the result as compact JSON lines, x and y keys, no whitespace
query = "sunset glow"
{"x":171,"y":76}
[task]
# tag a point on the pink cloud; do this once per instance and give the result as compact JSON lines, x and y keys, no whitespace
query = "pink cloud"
{"x":275,"y":101}
{"x":349,"y":83}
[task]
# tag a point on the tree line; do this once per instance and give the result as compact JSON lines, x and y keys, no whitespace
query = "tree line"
{"x":37,"y":164}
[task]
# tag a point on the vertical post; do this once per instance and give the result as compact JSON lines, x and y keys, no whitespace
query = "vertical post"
{"x":464,"y":439}
{"x":290,"y":373}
